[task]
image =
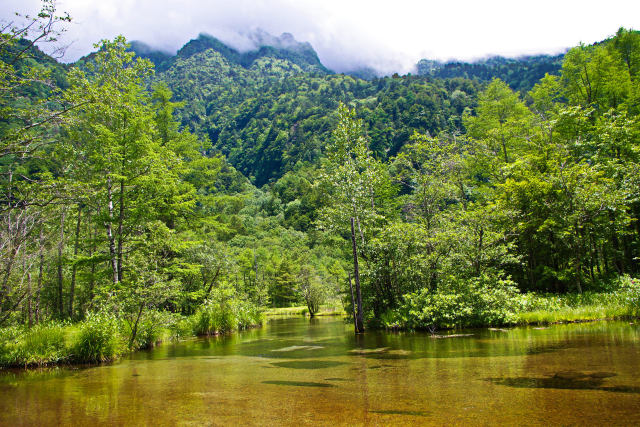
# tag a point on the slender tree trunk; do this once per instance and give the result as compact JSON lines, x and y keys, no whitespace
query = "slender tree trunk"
{"x":360,"y":230}
{"x":74,"y":269}
{"x":120,"y":229}
{"x":480,"y":249}
{"x":504,"y":149}
{"x":213,"y":281}
{"x":578,"y":259}
{"x":29,"y":300}
{"x":618,"y":260}
{"x":359,"y":314}
{"x":40,"y":273}
{"x":60,"y":276}
{"x":134,"y":330}
{"x":112,"y":243}
{"x":92,"y":250}
{"x":353,"y":304}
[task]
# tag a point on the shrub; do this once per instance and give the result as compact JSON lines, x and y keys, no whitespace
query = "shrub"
{"x":248,"y":315}
{"x":150,"y":330}
{"x":630,"y":292}
{"x":223,"y":312}
{"x":181,"y":327}
{"x":482,"y":301}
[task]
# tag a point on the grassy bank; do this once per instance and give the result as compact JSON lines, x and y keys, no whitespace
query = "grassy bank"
{"x":103,"y":337}
{"x":325,"y":310}
{"x":546,"y":309}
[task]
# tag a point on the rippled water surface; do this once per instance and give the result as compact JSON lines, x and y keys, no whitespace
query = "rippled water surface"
{"x":300,"y":371}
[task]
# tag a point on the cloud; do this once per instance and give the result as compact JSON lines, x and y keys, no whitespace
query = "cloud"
{"x":349,"y":34}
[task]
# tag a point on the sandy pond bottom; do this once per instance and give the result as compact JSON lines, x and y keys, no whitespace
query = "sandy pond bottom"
{"x":300,"y":371}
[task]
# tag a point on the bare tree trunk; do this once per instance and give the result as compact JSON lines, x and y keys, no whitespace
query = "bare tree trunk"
{"x":60,"y":276}
{"x":134,"y":330}
{"x":112,"y":243}
{"x":75,"y":255}
{"x":353,"y":304}
{"x":359,"y":314}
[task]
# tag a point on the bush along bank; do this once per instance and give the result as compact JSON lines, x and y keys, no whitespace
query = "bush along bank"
{"x":481,"y":304}
{"x":103,"y":337}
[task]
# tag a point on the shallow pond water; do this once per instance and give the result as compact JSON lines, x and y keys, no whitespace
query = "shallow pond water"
{"x":299,"y":371}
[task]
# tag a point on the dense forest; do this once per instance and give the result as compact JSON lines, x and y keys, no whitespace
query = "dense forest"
{"x":144,"y":192}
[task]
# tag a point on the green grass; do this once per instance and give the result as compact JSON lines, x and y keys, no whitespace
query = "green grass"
{"x":545,"y":309}
{"x":325,"y":310}
{"x":573,"y":314}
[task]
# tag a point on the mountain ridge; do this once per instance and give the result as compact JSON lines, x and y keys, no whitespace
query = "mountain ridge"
{"x":284,"y":47}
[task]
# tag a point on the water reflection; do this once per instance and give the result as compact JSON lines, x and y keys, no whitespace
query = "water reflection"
{"x":568,"y":380}
{"x":399,"y":412}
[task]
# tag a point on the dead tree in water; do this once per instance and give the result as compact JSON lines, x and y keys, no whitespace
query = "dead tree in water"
{"x":353,"y":305}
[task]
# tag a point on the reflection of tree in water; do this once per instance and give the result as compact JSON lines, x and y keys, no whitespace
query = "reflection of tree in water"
{"x":298,"y":383}
{"x":567,"y":380}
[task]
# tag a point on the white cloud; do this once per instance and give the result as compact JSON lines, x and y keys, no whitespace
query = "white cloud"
{"x":390,"y":36}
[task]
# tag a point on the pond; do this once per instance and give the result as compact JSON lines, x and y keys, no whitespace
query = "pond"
{"x":315,"y":371}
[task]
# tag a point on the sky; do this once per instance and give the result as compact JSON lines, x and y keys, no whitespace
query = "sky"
{"x":389,"y":36}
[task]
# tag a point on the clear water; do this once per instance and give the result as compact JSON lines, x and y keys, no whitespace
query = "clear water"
{"x":300,"y":371}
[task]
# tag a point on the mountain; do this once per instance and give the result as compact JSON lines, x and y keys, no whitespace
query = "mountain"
{"x":161,"y":60}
